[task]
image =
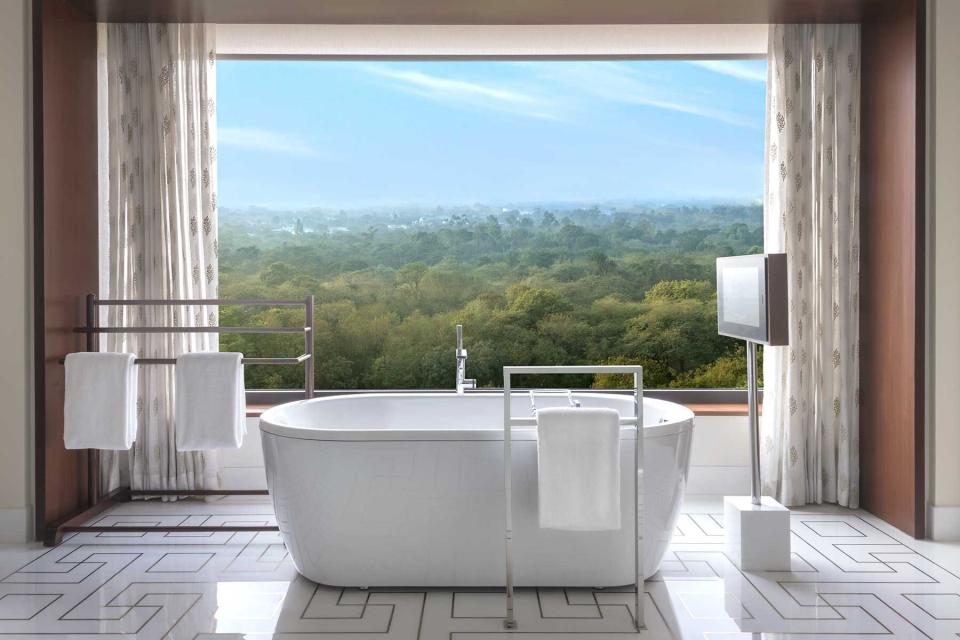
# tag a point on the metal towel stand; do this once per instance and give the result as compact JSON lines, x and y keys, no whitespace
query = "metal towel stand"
{"x":510,"y":622}
{"x":99,"y":503}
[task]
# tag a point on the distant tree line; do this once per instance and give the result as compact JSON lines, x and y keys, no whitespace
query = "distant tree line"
{"x":534,"y":288}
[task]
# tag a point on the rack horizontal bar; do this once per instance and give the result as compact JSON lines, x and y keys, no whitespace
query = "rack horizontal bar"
{"x":77,"y":523}
{"x":168,"y":529}
{"x":198,"y":302}
{"x":199,"y":492}
{"x":298,"y":360}
{"x":601,"y":369}
{"x":192,"y":329}
{"x":532,"y":422}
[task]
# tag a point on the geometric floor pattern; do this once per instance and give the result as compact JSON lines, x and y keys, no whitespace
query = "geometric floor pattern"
{"x":852,"y":577}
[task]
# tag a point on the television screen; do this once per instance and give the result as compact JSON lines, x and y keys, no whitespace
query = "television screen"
{"x":751,"y":298}
{"x":741,"y":295}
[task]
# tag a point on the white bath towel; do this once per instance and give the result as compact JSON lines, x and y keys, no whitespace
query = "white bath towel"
{"x":100,"y":401}
{"x":578,"y":468}
{"x":210,"y":401}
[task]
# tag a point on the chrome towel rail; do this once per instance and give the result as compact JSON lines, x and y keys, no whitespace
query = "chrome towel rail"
{"x":194,"y":302}
{"x":192,"y":329}
{"x":278,"y":361}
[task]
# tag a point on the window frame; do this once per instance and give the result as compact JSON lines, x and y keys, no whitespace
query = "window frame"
{"x":270,"y":397}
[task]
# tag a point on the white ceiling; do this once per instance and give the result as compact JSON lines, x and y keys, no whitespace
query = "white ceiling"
{"x":492,"y":40}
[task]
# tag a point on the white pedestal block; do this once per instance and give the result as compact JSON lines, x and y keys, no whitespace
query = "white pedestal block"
{"x":758,"y":536}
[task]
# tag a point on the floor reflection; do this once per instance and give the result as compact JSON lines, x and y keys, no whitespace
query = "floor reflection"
{"x":851,"y":576}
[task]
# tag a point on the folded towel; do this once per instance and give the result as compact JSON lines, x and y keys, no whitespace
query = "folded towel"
{"x":100,"y":401}
{"x":209,"y":399}
{"x":578,"y":468}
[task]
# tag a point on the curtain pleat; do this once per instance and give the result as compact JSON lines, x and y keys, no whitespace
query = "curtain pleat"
{"x":810,"y":428}
{"x":162,"y":226}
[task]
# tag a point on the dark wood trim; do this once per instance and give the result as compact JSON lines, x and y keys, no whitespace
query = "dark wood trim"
{"x":920,"y":278}
{"x":452,"y":12}
{"x":66,"y":265}
{"x":39,"y":347}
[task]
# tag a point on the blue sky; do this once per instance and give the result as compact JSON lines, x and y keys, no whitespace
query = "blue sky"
{"x":295,"y":134}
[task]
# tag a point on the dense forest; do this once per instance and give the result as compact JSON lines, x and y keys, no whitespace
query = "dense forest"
{"x":544,"y":285}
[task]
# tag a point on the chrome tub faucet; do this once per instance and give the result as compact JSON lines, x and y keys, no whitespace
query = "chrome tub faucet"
{"x":463,"y":382}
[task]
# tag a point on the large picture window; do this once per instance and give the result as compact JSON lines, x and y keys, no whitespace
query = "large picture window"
{"x":564,"y":211}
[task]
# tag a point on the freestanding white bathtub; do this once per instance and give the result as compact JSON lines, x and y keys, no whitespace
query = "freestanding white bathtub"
{"x":406,"y":489}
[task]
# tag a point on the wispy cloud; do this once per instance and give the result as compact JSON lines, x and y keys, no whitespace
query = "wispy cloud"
{"x":560,"y":92}
{"x":265,"y":140}
{"x":694,"y":110}
{"x":734,"y":68}
{"x":464,"y":92}
{"x":619,"y":83}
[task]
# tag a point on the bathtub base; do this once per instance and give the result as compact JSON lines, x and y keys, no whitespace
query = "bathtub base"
{"x":431,"y":514}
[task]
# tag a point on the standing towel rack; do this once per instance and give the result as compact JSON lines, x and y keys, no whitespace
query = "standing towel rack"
{"x":99,"y":503}
{"x":509,"y":421}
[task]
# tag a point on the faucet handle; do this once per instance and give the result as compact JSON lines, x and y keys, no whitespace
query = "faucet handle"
{"x":459,"y":337}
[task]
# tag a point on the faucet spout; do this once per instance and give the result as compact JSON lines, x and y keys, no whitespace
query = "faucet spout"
{"x":463,"y":382}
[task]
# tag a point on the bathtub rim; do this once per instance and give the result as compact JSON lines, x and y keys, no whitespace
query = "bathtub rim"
{"x":272,"y":422}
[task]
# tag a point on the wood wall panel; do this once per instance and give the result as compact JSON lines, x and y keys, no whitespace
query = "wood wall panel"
{"x":892,"y":267}
{"x":66,"y":234}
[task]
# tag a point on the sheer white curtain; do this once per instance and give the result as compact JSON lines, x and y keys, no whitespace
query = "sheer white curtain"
{"x":161,"y":224}
{"x":810,"y":431}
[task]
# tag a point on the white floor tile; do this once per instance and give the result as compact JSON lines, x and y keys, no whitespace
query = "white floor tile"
{"x":852,"y":577}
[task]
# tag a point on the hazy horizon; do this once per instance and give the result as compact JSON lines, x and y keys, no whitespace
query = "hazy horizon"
{"x":504,"y":206}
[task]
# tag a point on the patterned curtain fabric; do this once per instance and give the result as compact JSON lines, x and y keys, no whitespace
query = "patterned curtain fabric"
{"x":810,"y":431}
{"x":161,"y":205}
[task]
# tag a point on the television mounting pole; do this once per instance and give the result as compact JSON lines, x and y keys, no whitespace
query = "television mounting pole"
{"x":753,"y":418}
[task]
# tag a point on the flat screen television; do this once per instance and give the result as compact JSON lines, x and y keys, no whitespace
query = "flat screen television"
{"x":752,"y":298}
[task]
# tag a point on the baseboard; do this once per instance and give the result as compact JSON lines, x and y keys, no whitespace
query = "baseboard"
{"x":718,"y":480}
{"x":243,"y":478}
{"x":15,"y":524}
{"x":944,"y":523}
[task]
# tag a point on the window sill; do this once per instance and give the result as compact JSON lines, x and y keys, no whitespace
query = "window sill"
{"x":714,"y":410}
{"x":254,"y":410}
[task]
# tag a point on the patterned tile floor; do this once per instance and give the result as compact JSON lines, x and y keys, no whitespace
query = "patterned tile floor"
{"x":852,"y":577}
